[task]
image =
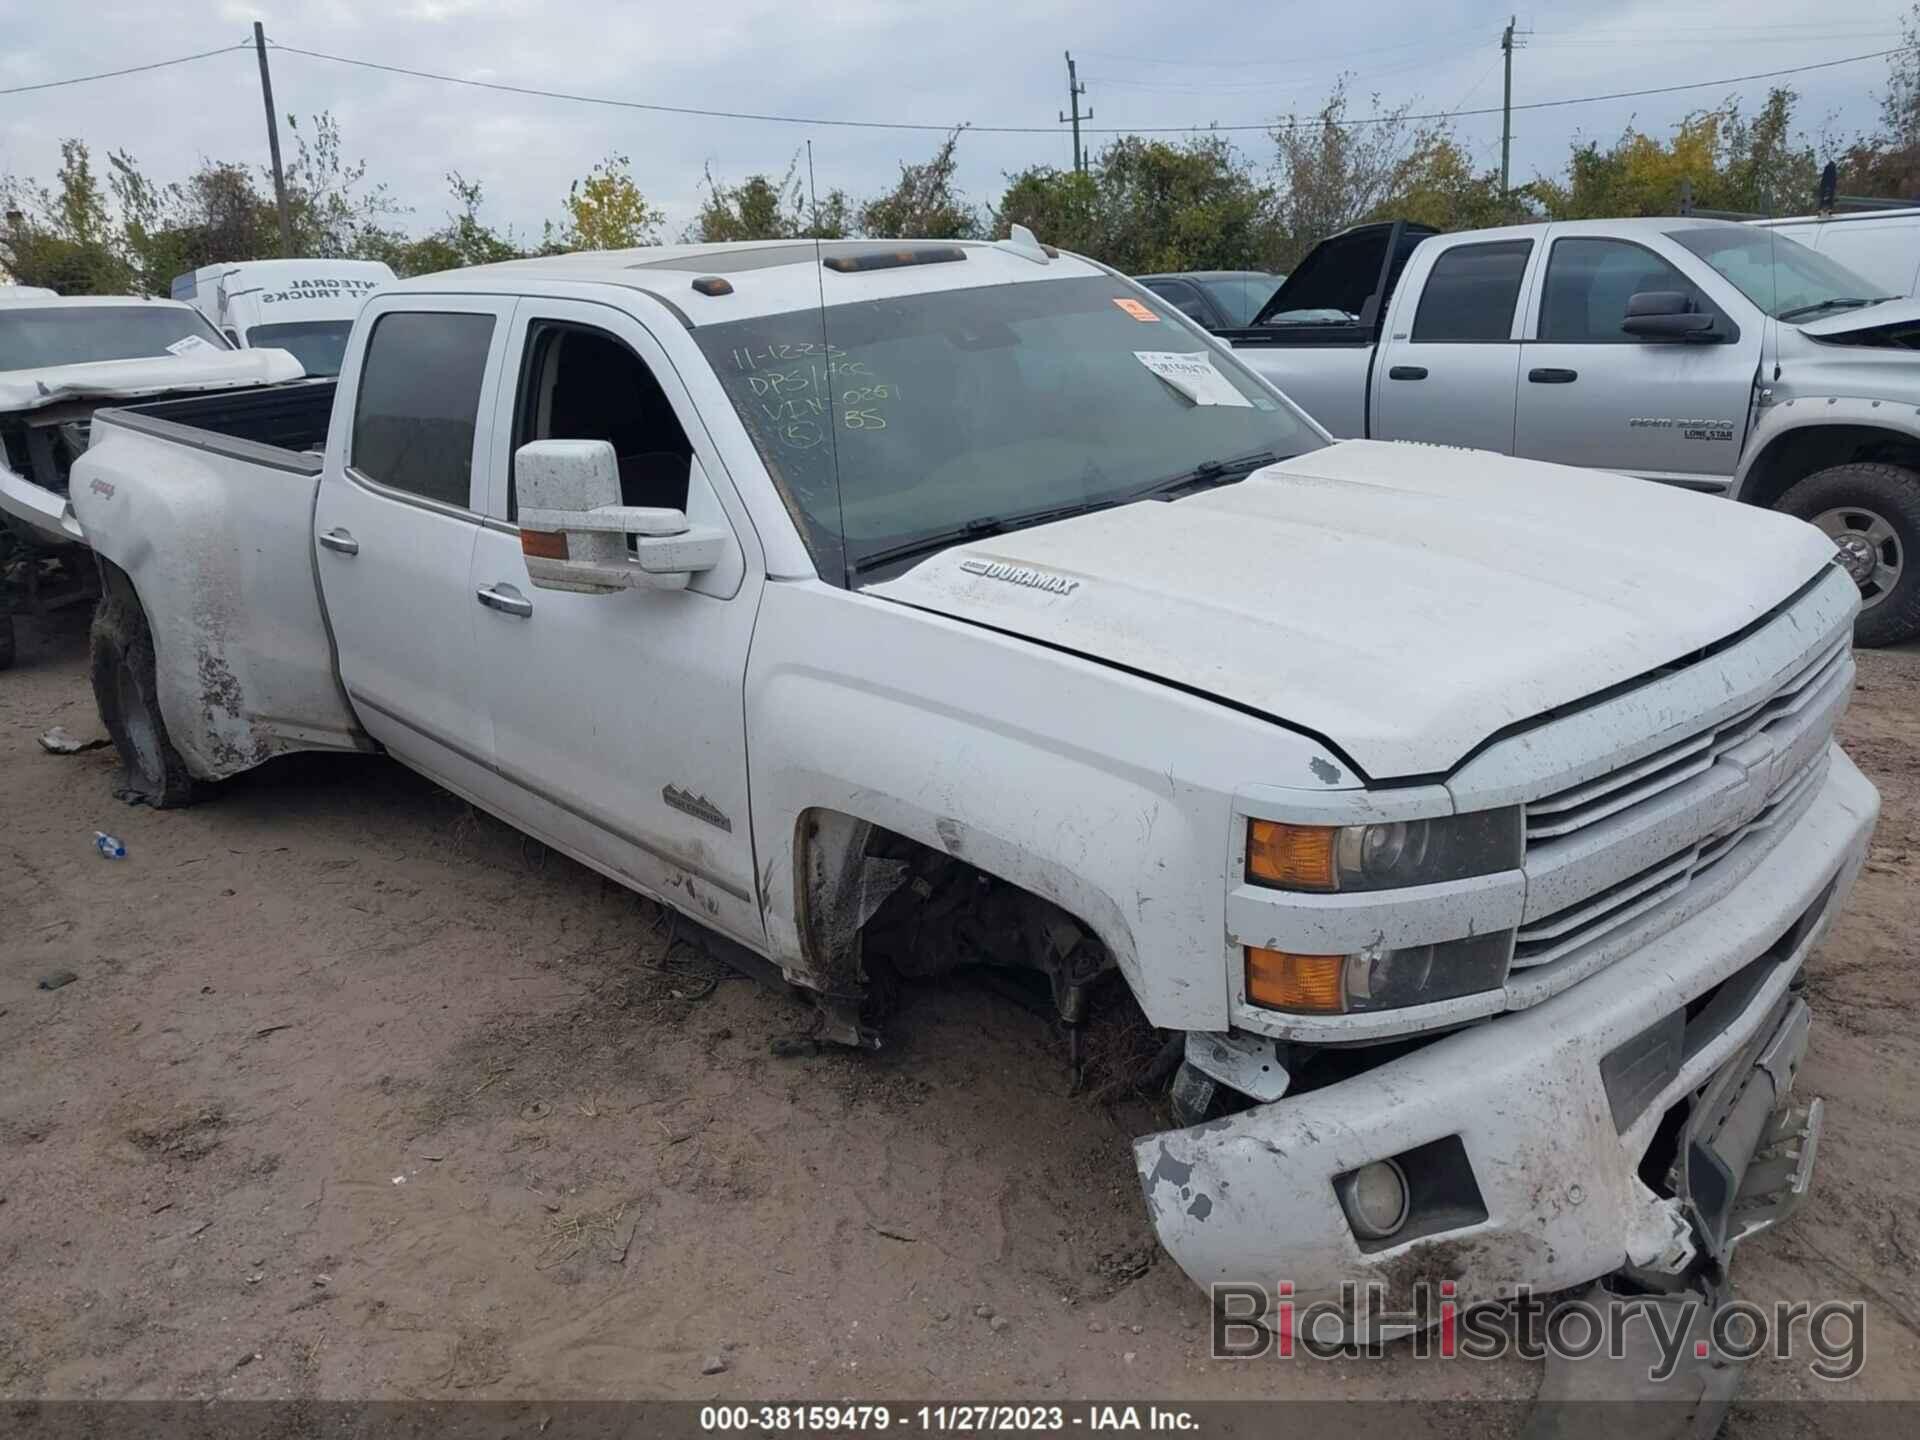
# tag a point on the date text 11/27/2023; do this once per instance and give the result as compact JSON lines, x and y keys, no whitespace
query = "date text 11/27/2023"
{"x":954,"y":1419}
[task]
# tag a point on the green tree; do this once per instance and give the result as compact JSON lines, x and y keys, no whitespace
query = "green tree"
{"x":1062,"y":207}
{"x":764,"y":208}
{"x":463,"y":240}
{"x":1190,"y":206}
{"x":1437,"y":185}
{"x":606,"y":211}
{"x":64,"y":238}
{"x":1727,"y":161}
{"x":924,"y":204}
{"x":1887,"y":164}
{"x":332,"y":210}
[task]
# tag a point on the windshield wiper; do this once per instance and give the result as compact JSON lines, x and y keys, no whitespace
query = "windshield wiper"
{"x":1206,"y":473}
{"x":976,"y":529}
{"x":1844,"y":302}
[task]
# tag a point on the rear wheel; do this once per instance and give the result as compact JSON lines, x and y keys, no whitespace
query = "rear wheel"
{"x":1871,"y":512}
{"x":124,"y":690}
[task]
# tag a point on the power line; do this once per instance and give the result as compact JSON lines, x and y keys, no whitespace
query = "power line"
{"x":1268,"y":125}
{"x":943,"y":128}
{"x":110,"y":74}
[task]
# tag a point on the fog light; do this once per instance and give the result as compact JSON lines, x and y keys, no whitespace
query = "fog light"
{"x":1375,"y":1199}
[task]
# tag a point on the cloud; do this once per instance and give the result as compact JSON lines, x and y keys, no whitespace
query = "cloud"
{"x":935,"y":64}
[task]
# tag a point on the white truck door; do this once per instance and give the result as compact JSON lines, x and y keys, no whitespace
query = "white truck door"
{"x":1592,"y":395}
{"x":1449,"y":375}
{"x":618,"y":719}
{"x":399,"y":507}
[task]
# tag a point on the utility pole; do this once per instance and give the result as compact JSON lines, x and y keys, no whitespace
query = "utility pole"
{"x":1509,"y":39}
{"x":273,"y":141}
{"x":1074,"y":91}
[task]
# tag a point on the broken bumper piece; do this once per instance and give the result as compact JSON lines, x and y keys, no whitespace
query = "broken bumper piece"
{"x":1520,"y":1141}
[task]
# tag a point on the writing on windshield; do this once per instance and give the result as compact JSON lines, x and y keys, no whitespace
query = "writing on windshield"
{"x":886,"y":421}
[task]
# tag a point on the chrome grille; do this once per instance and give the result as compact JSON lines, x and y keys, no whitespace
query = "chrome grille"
{"x":1557,"y":936}
{"x":1572,"y":810}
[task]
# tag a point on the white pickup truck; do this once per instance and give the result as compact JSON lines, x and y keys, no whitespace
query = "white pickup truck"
{"x":1715,"y":356}
{"x":917,"y":605}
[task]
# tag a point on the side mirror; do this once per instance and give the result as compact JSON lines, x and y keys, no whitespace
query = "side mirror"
{"x":1666,"y":315}
{"x":576,"y":535}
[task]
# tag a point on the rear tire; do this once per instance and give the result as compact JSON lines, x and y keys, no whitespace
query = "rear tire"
{"x":1872,"y":514}
{"x":126,"y":694}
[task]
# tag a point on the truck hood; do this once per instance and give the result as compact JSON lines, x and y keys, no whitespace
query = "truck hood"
{"x":1402,"y":601}
{"x":1868,"y":317}
{"x":128,"y":379}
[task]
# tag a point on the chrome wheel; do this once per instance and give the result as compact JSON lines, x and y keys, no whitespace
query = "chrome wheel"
{"x":1868,"y":549}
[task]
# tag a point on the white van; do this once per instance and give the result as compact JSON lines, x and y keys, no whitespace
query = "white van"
{"x":1883,"y":245}
{"x":305,"y":306}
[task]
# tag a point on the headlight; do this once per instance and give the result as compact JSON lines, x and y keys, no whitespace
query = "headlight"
{"x":1382,"y":857}
{"x":1378,"y":977}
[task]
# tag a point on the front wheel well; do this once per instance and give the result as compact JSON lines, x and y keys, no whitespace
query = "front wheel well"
{"x":874,"y":900}
{"x":1790,"y":458}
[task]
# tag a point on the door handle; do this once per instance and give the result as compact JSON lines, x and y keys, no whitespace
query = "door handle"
{"x":1550,"y":376}
{"x":1407,"y":372}
{"x":338,"y":539}
{"x":505,"y":599}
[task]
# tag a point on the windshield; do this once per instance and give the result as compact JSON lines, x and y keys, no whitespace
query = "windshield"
{"x":38,"y":339}
{"x":1779,"y":275}
{"x":319,"y":345}
{"x":961,"y":407}
{"x":1240,"y":296}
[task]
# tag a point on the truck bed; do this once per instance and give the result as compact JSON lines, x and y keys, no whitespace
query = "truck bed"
{"x":291,"y":418}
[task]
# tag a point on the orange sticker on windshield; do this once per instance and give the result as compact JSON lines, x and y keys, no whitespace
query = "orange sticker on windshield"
{"x":1137,"y":310}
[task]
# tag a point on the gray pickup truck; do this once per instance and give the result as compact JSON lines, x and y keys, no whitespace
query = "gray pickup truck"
{"x":1701,"y":353}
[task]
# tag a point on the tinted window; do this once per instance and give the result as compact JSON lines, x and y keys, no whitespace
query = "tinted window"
{"x":1590,"y":281}
{"x":419,"y":395}
{"x":1240,"y":297}
{"x":319,"y":345}
{"x":583,"y":384}
{"x":35,"y":339}
{"x":1184,"y":298}
{"x":1471,"y":291}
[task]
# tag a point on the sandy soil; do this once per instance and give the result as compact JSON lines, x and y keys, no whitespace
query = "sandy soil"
{"x":359,"y":1094}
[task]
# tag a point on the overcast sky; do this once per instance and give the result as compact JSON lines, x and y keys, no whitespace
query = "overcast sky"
{"x":941,"y":62}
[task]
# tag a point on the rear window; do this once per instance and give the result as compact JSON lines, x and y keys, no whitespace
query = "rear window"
{"x":319,"y":345}
{"x":39,"y":339}
{"x":1471,"y":291}
{"x":419,"y":397}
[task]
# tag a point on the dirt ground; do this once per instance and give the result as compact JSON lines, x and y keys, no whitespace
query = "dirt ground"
{"x":360,"y":1094}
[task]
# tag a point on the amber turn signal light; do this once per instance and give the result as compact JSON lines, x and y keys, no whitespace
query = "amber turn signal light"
{"x":1296,"y":857}
{"x":1283,"y":980}
{"x":543,"y":544}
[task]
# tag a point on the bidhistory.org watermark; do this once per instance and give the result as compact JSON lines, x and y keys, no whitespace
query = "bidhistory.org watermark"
{"x":1250,"y":1322}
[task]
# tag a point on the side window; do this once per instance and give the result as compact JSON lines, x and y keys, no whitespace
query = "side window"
{"x":578,"y":383}
{"x":1471,"y":291}
{"x":1184,"y":298}
{"x":233,"y":338}
{"x":419,"y":396}
{"x":1590,"y":281}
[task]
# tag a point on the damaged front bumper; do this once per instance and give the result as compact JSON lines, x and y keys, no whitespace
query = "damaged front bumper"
{"x":1521,"y":1140}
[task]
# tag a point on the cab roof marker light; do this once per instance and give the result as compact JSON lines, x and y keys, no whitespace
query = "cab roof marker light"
{"x":893,"y":259}
{"x":713,"y":285}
